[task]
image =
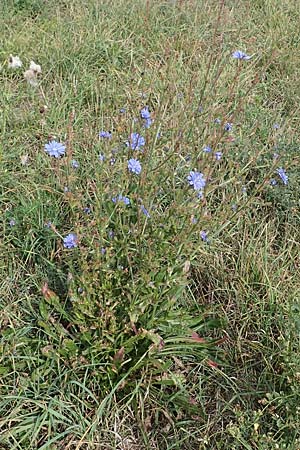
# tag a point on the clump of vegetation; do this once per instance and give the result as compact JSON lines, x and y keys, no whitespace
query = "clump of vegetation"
{"x":150,"y":227}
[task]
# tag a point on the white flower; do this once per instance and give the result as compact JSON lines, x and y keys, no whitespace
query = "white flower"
{"x":24,"y":159}
{"x":30,"y":77}
{"x":35,"y":67}
{"x":14,"y":62}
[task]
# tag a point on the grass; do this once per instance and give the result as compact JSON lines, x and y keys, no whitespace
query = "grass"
{"x":148,"y":334}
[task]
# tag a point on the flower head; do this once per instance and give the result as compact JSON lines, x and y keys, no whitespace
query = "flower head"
{"x":147,"y":123}
{"x":36,"y":68}
{"x":203,"y":236}
{"x":30,"y":77}
{"x":207,"y":149}
{"x":70,"y":241}
{"x":126,"y":201}
{"x":145,"y":113}
{"x":74,"y":164}
{"x":218,"y":155}
{"x":14,"y":62}
{"x":12,"y":222}
{"x":197,"y":180}
{"x":228,"y":126}
{"x":101,"y":157}
{"x":134,"y":166}
{"x":121,"y":198}
{"x":105,"y":134}
{"x":238,"y":54}
{"x":55,"y":149}
{"x":136,"y":141}
{"x":24,"y":159}
{"x":145,"y":211}
{"x":281,"y":172}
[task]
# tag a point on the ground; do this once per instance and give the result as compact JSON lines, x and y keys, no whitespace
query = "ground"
{"x":149,"y":279}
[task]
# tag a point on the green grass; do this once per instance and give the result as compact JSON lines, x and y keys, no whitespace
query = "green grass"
{"x":163,"y":340}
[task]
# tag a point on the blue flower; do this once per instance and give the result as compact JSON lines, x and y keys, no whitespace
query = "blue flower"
{"x":147,"y":123}
{"x":112,"y":161}
{"x":123,"y":110}
{"x":70,"y":241}
{"x":197,"y":180}
{"x":105,"y":134}
{"x":12,"y":222}
{"x":203,"y":236}
{"x":54,"y":148}
{"x":136,"y":141}
{"x":87,"y":210}
{"x":228,"y":126}
{"x":74,"y":164}
{"x":145,"y":113}
{"x":217,"y":121}
{"x":48,"y":224}
{"x":281,"y":172}
{"x":101,"y":157}
{"x":111,"y":234}
{"x":273,"y":182}
{"x":207,"y":149}
{"x":120,"y":198}
{"x":238,"y":54}
{"x":276,"y":126}
{"x":134,"y":166}
{"x":103,"y":250}
{"x":145,"y":211}
{"x":126,"y":201}
{"x":218,"y":155}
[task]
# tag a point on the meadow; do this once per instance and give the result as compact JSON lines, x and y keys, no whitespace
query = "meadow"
{"x":150,"y":225}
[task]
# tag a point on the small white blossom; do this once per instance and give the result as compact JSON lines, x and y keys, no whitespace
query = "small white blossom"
{"x":24,"y":159}
{"x":35,"y":67}
{"x":14,"y":62}
{"x":30,"y":77}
